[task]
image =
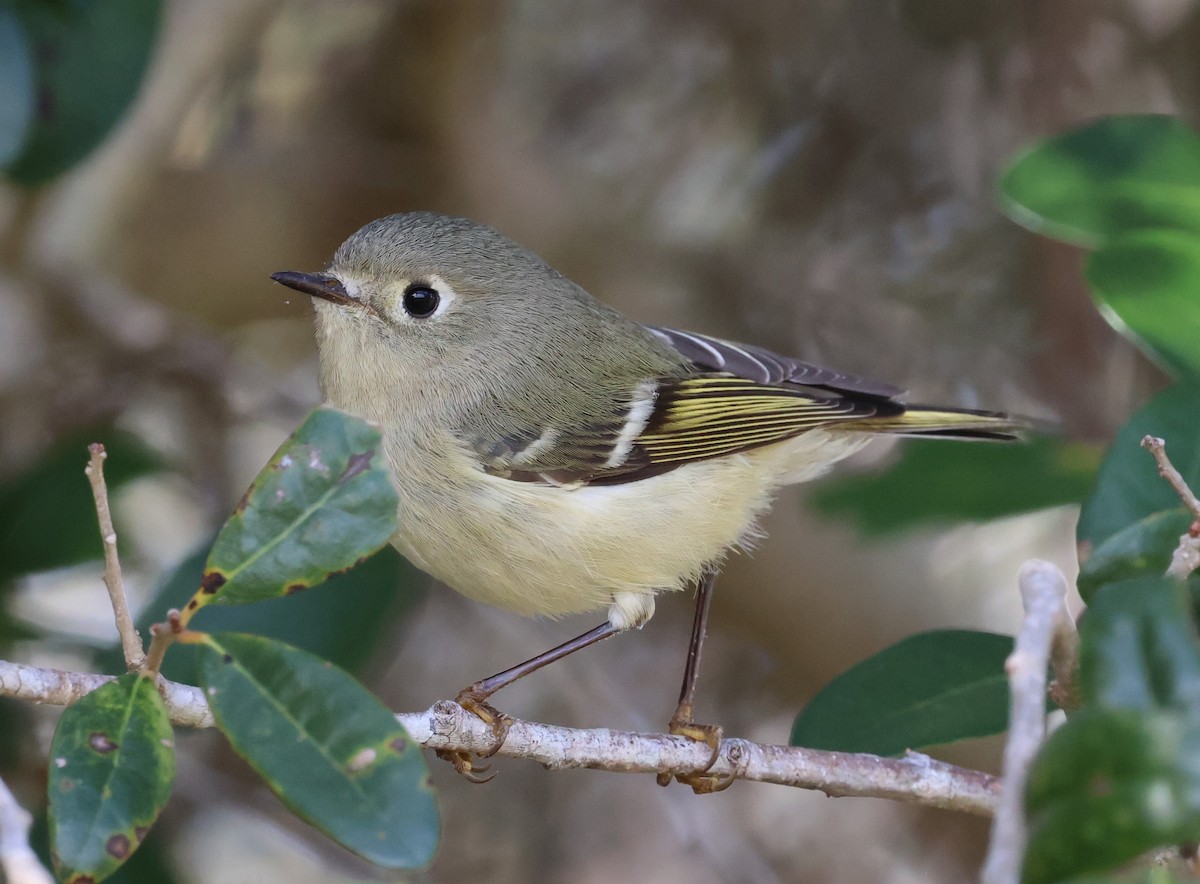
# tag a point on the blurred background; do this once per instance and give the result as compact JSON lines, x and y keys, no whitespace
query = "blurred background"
{"x":815,"y":177}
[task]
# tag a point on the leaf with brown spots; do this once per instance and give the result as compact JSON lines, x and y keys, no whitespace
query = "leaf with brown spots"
{"x":322,"y":504}
{"x":327,"y":747}
{"x":112,"y":766}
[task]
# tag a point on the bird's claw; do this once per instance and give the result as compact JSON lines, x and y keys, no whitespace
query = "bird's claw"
{"x":465,"y":765}
{"x":701,"y":781}
{"x":473,"y":701}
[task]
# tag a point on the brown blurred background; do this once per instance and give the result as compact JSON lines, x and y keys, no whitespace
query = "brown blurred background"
{"x":817,"y":177}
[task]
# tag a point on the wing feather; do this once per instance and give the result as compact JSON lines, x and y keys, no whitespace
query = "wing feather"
{"x":762,"y":365}
{"x":736,"y":398}
{"x":711,"y":415}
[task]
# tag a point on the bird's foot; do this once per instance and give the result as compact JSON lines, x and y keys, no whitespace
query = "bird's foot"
{"x":467,"y":763}
{"x":701,"y":781}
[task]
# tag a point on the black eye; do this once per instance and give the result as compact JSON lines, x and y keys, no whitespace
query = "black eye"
{"x":420,"y":300}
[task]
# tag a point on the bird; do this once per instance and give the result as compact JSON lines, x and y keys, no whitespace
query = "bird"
{"x":553,"y":456}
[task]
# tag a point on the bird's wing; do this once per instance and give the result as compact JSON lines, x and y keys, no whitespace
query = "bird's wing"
{"x":711,"y":415}
{"x":737,"y":397}
{"x":764,"y":366}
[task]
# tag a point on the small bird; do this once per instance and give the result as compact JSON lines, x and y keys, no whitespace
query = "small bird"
{"x":554,"y":457}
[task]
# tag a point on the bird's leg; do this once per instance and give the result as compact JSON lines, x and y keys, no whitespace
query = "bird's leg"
{"x":681,"y":722}
{"x":475,"y":697}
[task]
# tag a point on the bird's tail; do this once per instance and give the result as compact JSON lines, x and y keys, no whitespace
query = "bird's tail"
{"x":945,"y":423}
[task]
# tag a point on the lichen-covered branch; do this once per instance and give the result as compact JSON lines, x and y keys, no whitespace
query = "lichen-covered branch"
{"x":915,"y":778}
{"x":55,"y":687}
{"x":1044,"y":595}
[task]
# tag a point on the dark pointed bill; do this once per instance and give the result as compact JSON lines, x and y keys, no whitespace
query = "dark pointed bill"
{"x":319,"y":285}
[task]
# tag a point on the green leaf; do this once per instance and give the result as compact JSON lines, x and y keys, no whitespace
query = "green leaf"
{"x":936,"y":481}
{"x":151,"y":863}
{"x":321,"y":505}
{"x":1128,"y":487}
{"x":1138,"y":647}
{"x":325,"y":745}
{"x":1143,"y":549}
{"x":930,"y":688}
{"x":90,"y":56}
{"x":1118,"y":174}
{"x":47,"y":517}
{"x":343,"y":620}
{"x":112,"y":763}
{"x":1148,"y":280}
{"x":16,"y":86}
{"x":1108,"y":786}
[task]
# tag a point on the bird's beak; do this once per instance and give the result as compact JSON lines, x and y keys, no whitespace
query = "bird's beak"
{"x":319,"y":285}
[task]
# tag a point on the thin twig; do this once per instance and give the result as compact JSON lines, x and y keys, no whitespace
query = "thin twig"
{"x":163,"y":637}
{"x":1044,"y":595}
{"x":1186,"y":557}
{"x":54,"y":687}
{"x":20,"y":864}
{"x":916,"y":779}
{"x":1167,"y":470}
{"x":131,"y":642}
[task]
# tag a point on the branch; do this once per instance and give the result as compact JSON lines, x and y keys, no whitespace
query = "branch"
{"x":131,"y":643}
{"x":916,"y":778}
{"x":17,"y":859}
{"x":1044,"y":595}
{"x":54,"y":687}
{"x":1186,"y":557}
{"x":1167,"y":470}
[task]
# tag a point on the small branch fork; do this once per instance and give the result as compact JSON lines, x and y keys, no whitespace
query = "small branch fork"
{"x":1048,"y":636}
{"x":131,"y":642}
{"x":915,"y":778}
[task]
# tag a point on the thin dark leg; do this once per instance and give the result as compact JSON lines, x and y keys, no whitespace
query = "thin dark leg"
{"x":682,"y":722}
{"x":687,"y":691}
{"x":481,"y":690}
{"x":475,"y":698}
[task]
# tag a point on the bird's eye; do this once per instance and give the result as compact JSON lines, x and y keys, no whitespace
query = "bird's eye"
{"x":421,"y":301}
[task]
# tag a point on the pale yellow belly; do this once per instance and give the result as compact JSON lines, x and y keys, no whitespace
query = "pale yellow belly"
{"x":550,"y":551}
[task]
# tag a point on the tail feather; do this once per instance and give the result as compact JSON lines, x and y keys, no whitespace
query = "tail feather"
{"x":946,"y":423}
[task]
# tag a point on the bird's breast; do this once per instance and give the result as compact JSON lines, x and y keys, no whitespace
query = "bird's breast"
{"x":547,"y":550}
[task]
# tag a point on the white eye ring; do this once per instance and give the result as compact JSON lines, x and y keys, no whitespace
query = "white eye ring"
{"x":425,"y":298}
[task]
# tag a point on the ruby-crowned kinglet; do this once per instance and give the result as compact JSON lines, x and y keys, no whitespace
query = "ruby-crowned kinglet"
{"x":554,"y":457}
